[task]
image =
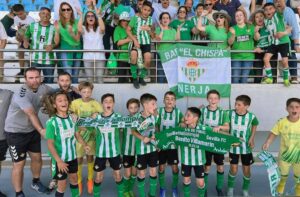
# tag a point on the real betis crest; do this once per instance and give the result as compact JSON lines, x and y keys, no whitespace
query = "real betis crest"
{"x":192,"y":70}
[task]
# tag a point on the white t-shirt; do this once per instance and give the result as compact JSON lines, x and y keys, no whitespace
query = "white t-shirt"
{"x":158,"y":9}
{"x":74,"y":3}
{"x":3,"y":35}
{"x":93,"y":41}
{"x":246,"y":5}
{"x":26,"y":22}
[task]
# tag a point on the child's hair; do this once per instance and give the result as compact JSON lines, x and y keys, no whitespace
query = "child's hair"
{"x":85,"y":84}
{"x":147,"y":97}
{"x":104,"y":96}
{"x":147,"y":3}
{"x":163,"y":13}
{"x":199,"y":5}
{"x":63,"y":73}
{"x":291,"y":100}
{"x":170,"y":93}
{"x":195,"y":110}
{"x":132,"y":100}
{"x":269,"y":4}
{"x":245,"y":99}
{"x":252,"y":18}
{"x":45,"y":8}
{"x":18,"y":7}
{"x":31,"y":69}
{"x":180,"y":7}
{"x":212,"y":92}
{"x":96,"y":24}
{"x":49,"y":101}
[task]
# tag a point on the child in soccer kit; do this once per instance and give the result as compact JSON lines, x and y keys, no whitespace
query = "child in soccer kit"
{"x":84,"y":107}
{"x":214,"y":116}
{"x":192,"y":158}
{"x":108,"y":147}
{"x":289,"y":129}
{"x":243,"y":125}
{"x":147,"y":155}
{"x":280,"y":42}
{"x":168,"y":117}
{"x":128,"y":150}
{"x":139,"y":30}
{"x":60,"y":135}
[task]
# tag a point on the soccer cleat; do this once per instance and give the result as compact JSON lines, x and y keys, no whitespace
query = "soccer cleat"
{"x":245,"y":193}
{"x":230,"y":192}
{"x":286,"y":83}
{"x":162,"y":192}
{"x":39,"y":187}
{"x":136,"y":84}
{"x":2,"y":195}
{"x":142,"y":82}
{"x":52,"y":184}
{"x":80,"y":188}
{"x":267,"y":81}
{"x":90,"y":185}
{"x":219,"y":192}
{"x":175,"y":192}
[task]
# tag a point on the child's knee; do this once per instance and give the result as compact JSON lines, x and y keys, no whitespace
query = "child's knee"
{"x":153,"y":172}
{"x":99,"y":177}
{"x":186,"y":180}
{"x":117,"y":176}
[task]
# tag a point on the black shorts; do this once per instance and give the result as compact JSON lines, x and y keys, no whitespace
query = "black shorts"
{"x":72,"y":168}
{"x":3,"y":149}
{"x":283,"y":49}
{"x":114,"y":162}
{"x":150,"y":159}
{"x":247,"y":159}
{"x":145,"y":48}
{"x":21,"y":143}
{"x":186,"y":171}
{"x":218,"y":158}
{"x":128,"y":161}
{"x":170,"y":156}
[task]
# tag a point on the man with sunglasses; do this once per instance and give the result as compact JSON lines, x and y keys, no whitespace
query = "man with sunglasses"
{"x":210,"y":11}
{"x":41,"y":35}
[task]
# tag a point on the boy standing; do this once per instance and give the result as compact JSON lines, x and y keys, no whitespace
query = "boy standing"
{"x":168,"y":117}
{"x":289,"y":129}
{"x":243,"y":125}
{"x":215,"y":117}
{"x":145,"y":149}
{"x":139,"y":30}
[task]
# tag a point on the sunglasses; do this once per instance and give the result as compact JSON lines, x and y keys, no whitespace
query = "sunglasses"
{"x":208,"y":4}
{"x":220,"y":16}
{"x":66,"y":10}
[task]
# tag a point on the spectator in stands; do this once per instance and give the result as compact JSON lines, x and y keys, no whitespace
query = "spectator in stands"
{"x":21,"y":21}
{"x":210,"y":11}
{"x":200,"y":14}
{"x":89,"y":5}
{"x":122,"y":40}
{"x":8,"y":21}
{"x":290,"y":19}
{"x":159,"y":8}
{"x":190,"y":9}
{"x":41,"y":36}
{"x":64,"y":83}
{"x":137,"y":7}
{"x":75,"y":4}
{"x":230,"y":6}
{"x":3,"y":39}
{"x":68,"y":37}
{"x":165,"y":33}
{"x":219,"y":31}
{"x":186,"y":27}
{"x":241,"y":37}
{"x":92,"y":33}
{"x":249,"y":6}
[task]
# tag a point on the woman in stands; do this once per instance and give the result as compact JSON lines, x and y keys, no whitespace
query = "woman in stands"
{"x":219,"y":31}
{"x":68,"y":36}
{"x":92,"y":30}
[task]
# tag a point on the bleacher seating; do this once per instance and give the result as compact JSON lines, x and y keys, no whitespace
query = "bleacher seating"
{"x":30,"y":5}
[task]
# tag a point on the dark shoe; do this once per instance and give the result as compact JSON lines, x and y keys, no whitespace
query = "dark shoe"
{"x":219,"y":192}
{"x":136,"y":84}
{"x":142,"y":82}
{"x":40,"y":188}
{"x":2,"y":195}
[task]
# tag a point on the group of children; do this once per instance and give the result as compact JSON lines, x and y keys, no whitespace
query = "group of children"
{"x":68,"y":143}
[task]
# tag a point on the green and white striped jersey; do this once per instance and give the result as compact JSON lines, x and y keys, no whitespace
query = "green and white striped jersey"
{"x":213,"y":118}
{"x":191,"y":156}
{"x":240,"y":126}
{"x":62,"y":132}
{"x":136,"y":23}
{"x":148,"y":131}
{"x":107,"y":139}
{"x":204,"y":22}
{"x":128,"y":143}
{"x":41,"y":36}
{"x":167,"y":120}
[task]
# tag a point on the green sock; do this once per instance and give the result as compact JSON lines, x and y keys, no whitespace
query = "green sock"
{"x":269,"y":72}
{"x":153,"y":184}
{"x":220,"y":180}
{"x":231,"y":180}
{"x":162,"y":182}
{"x":126,"y":182}
{"x":205,"y":177}
{"x":143,"y":73}
{"x":133,"y":69}
{"x":201,"y":191}
{"x":246,"y":183}
{"x":97,"y":189}
{"x":141,"y":187}
{"x":186,"y":190}
{"x":120,"y":186}
{"x":285,"y":74}
{"x":74,"y":190}
{"x":175,"y":180}
{"x":131,"y":183}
